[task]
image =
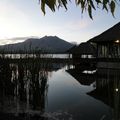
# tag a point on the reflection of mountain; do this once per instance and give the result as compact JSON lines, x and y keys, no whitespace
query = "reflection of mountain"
{"x":50,"y":44}
{"x":84,"y":79}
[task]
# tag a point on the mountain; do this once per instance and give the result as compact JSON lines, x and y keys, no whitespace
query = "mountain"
{"x":50,"y":44}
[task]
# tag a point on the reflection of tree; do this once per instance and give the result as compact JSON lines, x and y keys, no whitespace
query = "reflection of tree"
{"x":32,"y":84}
{"x":25,"y":81}
{"x":38,"y":85}
{"x":6,"y":86}
{"x":21,"y":84}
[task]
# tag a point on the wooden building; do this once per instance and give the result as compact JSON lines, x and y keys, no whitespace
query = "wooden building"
{"x":108,"y":47}
{"x":84,"y":50}
{"x":83,"y":54}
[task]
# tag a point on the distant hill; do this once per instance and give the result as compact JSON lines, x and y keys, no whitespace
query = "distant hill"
{"x":50,"y":44}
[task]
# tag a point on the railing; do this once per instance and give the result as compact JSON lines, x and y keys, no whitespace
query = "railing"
{"x":97,"y":60}
{"x":108,"y":59}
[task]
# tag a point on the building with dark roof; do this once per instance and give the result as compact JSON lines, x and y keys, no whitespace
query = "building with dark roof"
{"x":85,"y":49}
{"x":108,"y":47}
{"x":108,"y":43}
{"x":82,"y":55}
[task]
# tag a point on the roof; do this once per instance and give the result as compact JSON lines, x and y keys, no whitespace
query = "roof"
{"x":109,"y":35}
{"x":71,"y":49}
{"x":85,"y":49}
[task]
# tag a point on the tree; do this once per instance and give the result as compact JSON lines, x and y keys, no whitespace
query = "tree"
{"x":85,"y":5}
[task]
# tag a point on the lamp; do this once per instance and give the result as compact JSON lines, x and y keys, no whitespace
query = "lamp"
{"x":116,"y":89}
{"x":117,"y":41}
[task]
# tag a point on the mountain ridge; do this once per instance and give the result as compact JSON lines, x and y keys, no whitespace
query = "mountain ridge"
{"x":49,"y":44}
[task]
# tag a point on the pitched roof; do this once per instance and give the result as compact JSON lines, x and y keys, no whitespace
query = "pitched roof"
{"x":109,"y":35}
{"x":85,"y":48}
{"x":71,"y":49}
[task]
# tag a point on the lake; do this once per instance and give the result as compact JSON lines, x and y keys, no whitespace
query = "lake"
{"x":57,"y":91}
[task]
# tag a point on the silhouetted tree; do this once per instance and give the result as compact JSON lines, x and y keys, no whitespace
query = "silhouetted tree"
{"x":85,"y":5}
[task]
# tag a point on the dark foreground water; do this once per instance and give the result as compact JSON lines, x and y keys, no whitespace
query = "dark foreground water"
{"x":50,"y":91}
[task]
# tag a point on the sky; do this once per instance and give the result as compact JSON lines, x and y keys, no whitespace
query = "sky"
{"x":21,"y":19}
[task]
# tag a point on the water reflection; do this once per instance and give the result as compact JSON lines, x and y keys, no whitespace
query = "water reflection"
{"x":106,"y":84}
{"x":81,"y":77}
{"x":108,"y":89}
{"x":34,"y":87}
{"x":24,"y":85}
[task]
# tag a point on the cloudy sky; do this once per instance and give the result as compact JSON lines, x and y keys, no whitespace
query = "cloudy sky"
{"x":20,"y":19}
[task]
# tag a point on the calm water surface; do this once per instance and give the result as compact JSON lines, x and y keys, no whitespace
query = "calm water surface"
{"x":57,"y":93}
{"x":66,"y":94}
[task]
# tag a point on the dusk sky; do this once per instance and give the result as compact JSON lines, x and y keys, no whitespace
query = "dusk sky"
{"x":24,"y":18}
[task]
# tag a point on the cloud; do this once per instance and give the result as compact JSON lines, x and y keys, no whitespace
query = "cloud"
{"x":15,"y":40}
{"x":21,"y":38}
{"x":78,"y":24}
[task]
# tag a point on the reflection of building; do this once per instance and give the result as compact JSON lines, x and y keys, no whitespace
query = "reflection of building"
{"x":82,"y":78}
{"x":108,"y":89}
{"x":108,"y":47}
